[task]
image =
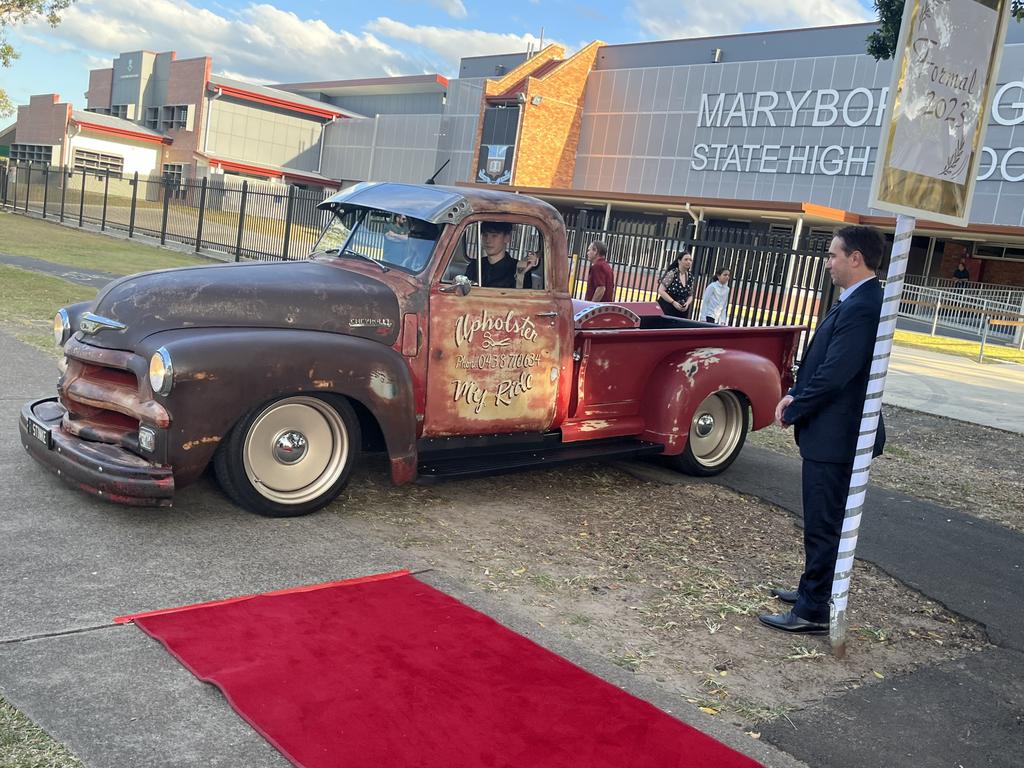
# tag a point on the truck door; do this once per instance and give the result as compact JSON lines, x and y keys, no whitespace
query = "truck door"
{"x":494,"y":349}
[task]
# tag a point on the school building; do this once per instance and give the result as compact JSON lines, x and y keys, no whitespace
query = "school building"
{"x":773,"y":131}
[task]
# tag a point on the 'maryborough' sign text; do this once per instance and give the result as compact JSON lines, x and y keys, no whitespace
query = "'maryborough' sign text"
{"x":827,"y":108}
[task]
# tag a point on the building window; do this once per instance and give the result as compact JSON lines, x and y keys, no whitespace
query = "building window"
{"x":31,"y":153}
{"x":1002,"y":252}
{"x":173,"y":175}
{"x":174,"y":116}
{"x":98,"y":162}
{"x":153,"y":118}
{"x":119,"y":110}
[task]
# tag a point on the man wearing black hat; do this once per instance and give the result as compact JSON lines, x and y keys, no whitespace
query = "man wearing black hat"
{"x":499,"y":269}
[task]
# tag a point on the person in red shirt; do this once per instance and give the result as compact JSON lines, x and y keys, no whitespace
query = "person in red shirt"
{"x":601,"y":279}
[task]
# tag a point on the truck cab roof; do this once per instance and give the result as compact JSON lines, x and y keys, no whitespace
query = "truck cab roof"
{"x":434,"y":203}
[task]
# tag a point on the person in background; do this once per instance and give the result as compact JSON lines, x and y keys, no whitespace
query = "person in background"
{"x":715,"y":303}
{"x":675,"y":290}
{"x":601,"y":278}
{"x":961,"y":274}
{"x":398,"y":228}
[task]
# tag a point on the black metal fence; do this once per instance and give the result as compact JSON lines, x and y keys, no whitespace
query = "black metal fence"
{"x":774,"y":281}
{"x":249,"y":219}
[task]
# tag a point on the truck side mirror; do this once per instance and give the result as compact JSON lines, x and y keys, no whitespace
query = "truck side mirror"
{"x":460,"y":285}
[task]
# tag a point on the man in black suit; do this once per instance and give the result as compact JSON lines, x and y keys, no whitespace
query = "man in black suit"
{"x":825,"y":409}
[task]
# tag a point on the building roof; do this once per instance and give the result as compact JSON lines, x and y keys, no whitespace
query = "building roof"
{"x":372,"y":86}
{"x":277,"y":97}
{"x":115,"y":125}
{"x":268,"y":171}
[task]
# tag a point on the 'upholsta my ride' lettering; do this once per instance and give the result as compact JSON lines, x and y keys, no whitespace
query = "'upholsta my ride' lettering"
{"x":468,"y":326}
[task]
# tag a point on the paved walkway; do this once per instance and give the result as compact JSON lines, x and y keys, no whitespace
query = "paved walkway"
{"x":74,"y":275}
{"x":957,"y":387}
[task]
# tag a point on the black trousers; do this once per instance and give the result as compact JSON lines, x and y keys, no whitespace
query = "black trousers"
{"x":825,"y":488}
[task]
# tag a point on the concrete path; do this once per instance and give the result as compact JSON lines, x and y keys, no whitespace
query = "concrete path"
{"x":113,"y":695}
{"x":74,"y":275}
{"x":989,"y":393}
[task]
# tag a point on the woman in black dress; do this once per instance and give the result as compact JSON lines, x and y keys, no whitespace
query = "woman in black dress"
{"x":675,"y":290}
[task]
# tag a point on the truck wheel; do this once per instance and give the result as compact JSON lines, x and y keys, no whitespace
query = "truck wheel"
{"x":289,"y":457}
{"x":717,"y":432}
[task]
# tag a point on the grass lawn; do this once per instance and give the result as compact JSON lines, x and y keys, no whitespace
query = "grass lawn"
{"x":28,"y":302}
{"x":23,"y":745}
{"x":24,"y":236}
{"x":959,"y":347}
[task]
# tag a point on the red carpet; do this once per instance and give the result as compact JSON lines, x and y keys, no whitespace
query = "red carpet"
{"x":387,"y":672}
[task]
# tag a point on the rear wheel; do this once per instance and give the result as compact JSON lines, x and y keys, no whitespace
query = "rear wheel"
{"x":718,"y":430}
{"x":291,"y":456}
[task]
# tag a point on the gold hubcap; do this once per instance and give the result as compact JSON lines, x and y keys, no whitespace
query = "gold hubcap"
{"x":295,"y":450}
{"x":716,"y":428}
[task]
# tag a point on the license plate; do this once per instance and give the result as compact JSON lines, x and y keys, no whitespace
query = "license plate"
{"x":40,"y":432}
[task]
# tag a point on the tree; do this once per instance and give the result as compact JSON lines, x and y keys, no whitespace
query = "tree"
{"x":14,"y":12}
{"x":882,"y":42}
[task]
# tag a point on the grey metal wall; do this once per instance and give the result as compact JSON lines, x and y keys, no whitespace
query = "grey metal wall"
{"x":761,"y":46}
{"x":640,"y":133}
{"x":392,"y":104}
{"x":489,"y":66}
{"x":457,"y":141}
{"x":408,"y":147}
{"x":385,"y":148}
{"x":263,"y":135}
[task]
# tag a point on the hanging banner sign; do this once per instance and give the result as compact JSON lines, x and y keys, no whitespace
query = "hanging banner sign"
{"x":928,"y":157}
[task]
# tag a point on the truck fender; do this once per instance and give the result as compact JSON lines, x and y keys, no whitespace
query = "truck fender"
{"x":681,"y":381}
{"x":221,"y":374}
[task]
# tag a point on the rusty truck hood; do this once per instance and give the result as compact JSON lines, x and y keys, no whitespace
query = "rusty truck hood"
{"x":304,"y":295}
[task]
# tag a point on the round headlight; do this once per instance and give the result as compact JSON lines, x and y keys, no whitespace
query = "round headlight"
{"x":61,"y":327}
{"x":161,"y":373}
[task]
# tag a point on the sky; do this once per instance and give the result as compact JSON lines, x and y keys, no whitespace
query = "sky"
{"x":307,"y":40}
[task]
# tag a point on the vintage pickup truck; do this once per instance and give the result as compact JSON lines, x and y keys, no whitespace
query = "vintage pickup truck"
{"x":387,"y":339}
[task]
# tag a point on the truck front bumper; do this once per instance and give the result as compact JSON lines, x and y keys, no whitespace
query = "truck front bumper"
{"x":107,"y":471}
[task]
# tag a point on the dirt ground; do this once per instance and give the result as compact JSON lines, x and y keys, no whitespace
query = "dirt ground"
{"x":663,"y":580}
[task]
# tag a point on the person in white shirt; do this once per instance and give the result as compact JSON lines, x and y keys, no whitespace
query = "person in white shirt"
{"x":715,"y":303}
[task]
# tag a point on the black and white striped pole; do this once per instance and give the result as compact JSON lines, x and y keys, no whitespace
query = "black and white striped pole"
{"x":868,"y":427}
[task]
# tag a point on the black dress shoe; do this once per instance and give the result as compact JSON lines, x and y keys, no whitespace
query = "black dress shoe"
{"x":790,"y":622}
{"x":786,"y":595}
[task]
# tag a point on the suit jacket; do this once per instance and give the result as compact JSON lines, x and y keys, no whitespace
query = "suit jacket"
{"x":828,"y":397}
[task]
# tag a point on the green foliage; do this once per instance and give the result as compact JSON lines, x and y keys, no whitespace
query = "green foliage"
{"x":882,"y":42}
{"x":14,"y":12}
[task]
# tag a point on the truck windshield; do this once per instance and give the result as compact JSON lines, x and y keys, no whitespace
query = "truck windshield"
{"x":391,"y":239}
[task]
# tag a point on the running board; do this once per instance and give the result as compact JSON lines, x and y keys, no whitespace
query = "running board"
{"x":469,"y":464}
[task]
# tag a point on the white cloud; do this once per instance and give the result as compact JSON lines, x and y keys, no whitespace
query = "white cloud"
{"x":670,"y":19}
{"x":450,"y":44}
{"x":454,"y":8}
{"x":260,"y":42}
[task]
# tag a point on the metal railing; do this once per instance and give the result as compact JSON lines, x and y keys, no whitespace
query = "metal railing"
{"x":247,"y":218}
{"x":955,"y":309}
{"x":1006,"y":294}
